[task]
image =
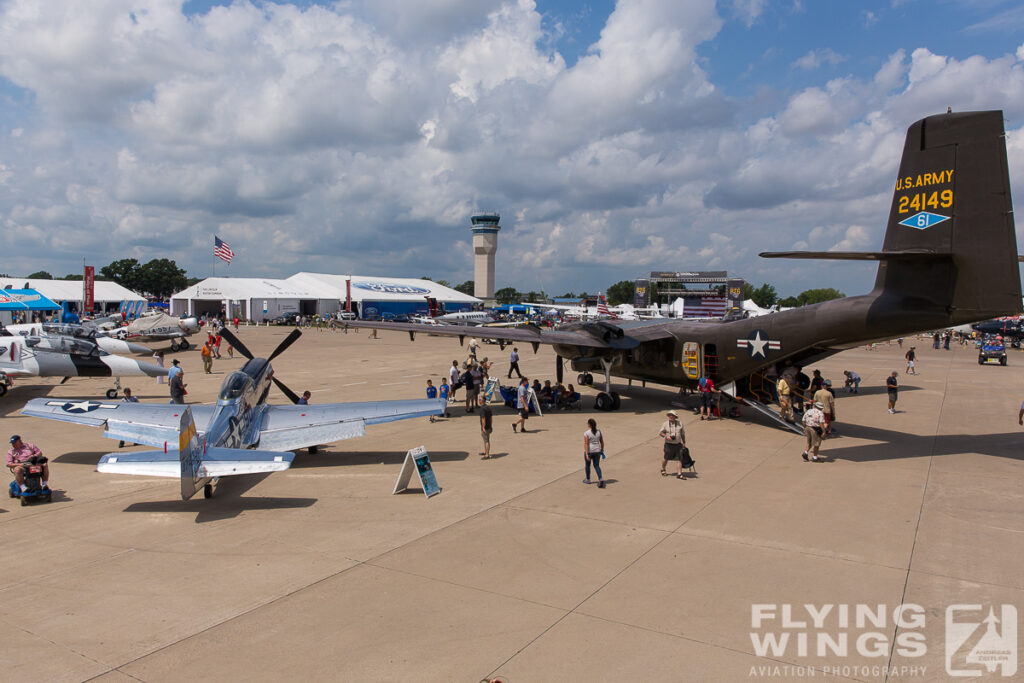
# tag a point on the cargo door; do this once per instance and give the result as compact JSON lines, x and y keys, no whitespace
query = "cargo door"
{"x":692,"y":360}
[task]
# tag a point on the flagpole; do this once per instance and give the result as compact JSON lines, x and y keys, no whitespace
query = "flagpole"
{"x":214,"y":274}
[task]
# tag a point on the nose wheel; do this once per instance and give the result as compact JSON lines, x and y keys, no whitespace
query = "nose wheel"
{"x":112,"y":393}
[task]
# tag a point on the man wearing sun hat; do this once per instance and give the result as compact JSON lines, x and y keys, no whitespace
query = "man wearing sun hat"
{"x":675,"y":444}
{"x":814,"y":427}
{"x":19,"y":454}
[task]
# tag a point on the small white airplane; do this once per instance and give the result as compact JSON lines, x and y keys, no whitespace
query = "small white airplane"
{"x":601,"y":311}
{"x":466,"y":317}
{"x":157,"y":327}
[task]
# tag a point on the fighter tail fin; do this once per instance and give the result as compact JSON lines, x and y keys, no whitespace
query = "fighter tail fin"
{"x":193,"y":462}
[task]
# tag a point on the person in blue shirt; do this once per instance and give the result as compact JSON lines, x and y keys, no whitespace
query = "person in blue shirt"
{"x":304,"y":401}
{"x":443,"y":389}
{"x":514,"y":363}
{"x":432,"y":393}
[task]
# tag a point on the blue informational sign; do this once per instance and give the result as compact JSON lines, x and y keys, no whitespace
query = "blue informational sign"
{"x":426,"y":472}
{"x":418,"y":460}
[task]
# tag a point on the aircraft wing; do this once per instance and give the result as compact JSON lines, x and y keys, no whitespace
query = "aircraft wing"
{"x":601,"y":334}
{"x":152,"y":424}
{"x":287,"y":428}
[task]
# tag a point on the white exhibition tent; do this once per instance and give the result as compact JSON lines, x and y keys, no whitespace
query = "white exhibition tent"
{"x":108,"y":295}
{"x":260,"y":299}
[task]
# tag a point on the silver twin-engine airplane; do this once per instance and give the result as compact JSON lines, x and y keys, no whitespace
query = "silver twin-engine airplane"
{"x":241,"y":434}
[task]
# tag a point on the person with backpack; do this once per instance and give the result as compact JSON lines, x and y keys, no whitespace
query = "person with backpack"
{"x":814,"y":428}
{"x":706,"y":388}
{"x":593,"y":451}
{"x":675,"y":445}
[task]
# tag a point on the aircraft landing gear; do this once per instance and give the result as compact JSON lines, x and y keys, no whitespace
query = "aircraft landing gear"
{"x":184,"y":344}
{"x":584,"y":379}
{"x":175,"y":345}
{"x":607,"y":399}
{"x":112,"y":393}
{"x":208,"y":491}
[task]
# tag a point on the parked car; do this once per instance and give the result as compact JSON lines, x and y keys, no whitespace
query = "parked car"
{"x":288,"y":318}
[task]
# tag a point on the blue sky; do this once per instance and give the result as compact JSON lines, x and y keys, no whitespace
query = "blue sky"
{"x":615,"y":138}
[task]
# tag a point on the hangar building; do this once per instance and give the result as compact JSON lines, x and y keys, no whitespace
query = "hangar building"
{"x":260,"y":299}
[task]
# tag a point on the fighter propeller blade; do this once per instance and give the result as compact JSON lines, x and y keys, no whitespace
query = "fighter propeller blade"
{"x":236,"y":342}
{"x":288,"y":341}
{"x":285,"y":390}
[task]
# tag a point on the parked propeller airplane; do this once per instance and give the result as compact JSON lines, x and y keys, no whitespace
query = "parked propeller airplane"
{"x":949,"y":257}
{"x":241,"y":434}
{"x":159,"y":327}
{"x":51,"y":355}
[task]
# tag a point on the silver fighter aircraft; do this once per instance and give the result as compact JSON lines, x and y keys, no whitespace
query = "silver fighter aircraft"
{"x":59,"y":356}
{"x":229,"y":431}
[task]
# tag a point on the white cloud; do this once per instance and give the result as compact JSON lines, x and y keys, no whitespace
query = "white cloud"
{"x":341,"y":138}
{"x":816,"y":58}
{"x":748,"y":11}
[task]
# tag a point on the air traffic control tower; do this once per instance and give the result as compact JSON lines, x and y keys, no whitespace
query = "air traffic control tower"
{"x":485,"y":244}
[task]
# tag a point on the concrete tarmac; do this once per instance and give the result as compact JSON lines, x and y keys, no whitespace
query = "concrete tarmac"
{"x":517,"y":569}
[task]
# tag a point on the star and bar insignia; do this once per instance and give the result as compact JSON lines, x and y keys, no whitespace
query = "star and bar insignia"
{"x":80,"y":406}
{"x":758,"y":341}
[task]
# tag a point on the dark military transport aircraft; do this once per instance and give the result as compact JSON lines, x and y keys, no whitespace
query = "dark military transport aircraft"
{"x":949,"y":258}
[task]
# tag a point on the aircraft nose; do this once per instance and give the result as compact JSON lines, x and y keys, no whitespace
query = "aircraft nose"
{"x":151,"y":370}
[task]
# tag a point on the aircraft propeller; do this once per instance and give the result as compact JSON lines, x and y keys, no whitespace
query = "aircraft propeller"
{"x":285,"y":343}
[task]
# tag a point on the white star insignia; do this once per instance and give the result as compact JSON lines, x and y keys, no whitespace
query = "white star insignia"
{"x":757,"y":345}
{"x":81,"y":405}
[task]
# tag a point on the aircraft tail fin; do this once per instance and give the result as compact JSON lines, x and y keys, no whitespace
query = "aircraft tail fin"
{"x":950,"y":249}
{"x":952,"y":200}
{"x":193,"y":462}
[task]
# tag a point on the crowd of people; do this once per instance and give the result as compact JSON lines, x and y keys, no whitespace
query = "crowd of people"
{"x":812,"y":397}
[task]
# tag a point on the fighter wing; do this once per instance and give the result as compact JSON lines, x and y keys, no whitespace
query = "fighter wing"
{"x":601,"y":334}
{"x":152,"y":424}
{"x":286,"y":428}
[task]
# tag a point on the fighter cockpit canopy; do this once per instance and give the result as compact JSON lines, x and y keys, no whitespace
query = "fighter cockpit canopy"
{"x":234,"y":386}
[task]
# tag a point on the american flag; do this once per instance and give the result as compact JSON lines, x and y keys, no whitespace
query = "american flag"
{"x":602,"y":307}
{"x":706,"y":307}
{"x":221,"y":250}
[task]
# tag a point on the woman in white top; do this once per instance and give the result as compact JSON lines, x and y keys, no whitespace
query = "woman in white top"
{"x":593,"y":451}
{"x":159,"y":357}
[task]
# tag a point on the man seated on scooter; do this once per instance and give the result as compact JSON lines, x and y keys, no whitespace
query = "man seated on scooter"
{"x":18,"y":457}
